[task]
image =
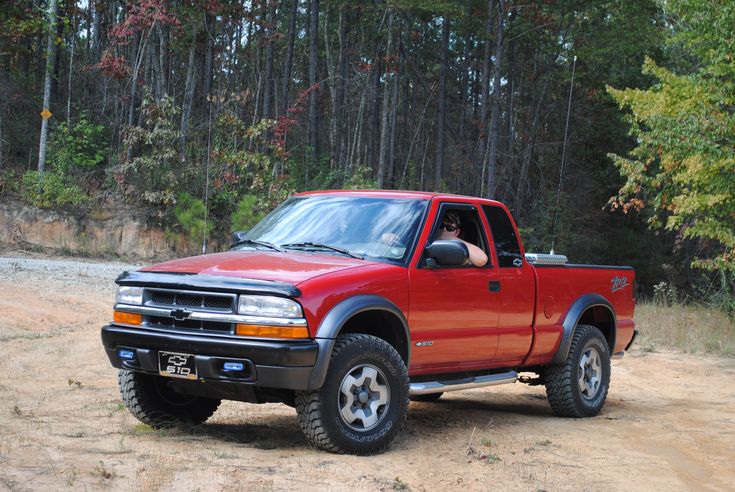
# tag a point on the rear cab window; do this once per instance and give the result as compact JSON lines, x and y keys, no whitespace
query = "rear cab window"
{"x":507,"y":245}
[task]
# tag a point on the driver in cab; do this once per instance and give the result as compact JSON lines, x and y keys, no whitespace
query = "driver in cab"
{"x":451,"y":230}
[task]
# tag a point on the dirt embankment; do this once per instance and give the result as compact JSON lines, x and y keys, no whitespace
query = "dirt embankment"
{"x":669,"y":423}
{"x":117,"y":233}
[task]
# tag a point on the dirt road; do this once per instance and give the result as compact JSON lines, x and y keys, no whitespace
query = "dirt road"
{"x":669,"y":423}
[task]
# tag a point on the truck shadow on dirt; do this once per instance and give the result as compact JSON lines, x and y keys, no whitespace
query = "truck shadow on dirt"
{"x":283,"y":432}
{"x":278,"y":432}
{"x":528,"y":405}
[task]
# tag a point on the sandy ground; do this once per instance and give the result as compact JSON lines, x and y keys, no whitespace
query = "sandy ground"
{"x":669,"y":422}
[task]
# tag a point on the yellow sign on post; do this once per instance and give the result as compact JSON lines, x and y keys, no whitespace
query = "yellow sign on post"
{"x":45,"y":114}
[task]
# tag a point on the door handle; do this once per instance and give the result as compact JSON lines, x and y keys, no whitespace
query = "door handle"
{"x":494,"y":286}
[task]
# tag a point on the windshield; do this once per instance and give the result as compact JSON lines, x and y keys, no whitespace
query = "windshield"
{"x":369,"y":227}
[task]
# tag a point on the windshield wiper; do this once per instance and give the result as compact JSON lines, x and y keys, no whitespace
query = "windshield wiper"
{"x":258,"y":243}
{"x":310,"y":245}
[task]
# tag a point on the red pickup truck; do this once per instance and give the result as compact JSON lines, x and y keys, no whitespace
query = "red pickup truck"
{"x":346,"y":304}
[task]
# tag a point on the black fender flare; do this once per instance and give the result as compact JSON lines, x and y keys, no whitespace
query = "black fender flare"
{"x":336,"y":318}
{"x":572,"y":318}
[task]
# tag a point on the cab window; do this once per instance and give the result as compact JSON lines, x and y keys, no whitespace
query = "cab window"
{"x":507,"y":246}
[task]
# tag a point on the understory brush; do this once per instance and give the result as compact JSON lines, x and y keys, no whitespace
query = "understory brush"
{"x":688,"y":328}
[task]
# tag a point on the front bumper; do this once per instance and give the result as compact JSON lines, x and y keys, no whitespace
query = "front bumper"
{"x":268,"y":364}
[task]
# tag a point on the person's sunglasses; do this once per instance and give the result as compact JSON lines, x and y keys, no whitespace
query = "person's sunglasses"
{"x":449,"y":228}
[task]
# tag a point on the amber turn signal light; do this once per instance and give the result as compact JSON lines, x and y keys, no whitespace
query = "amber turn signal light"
{"x":272,"y":331}
{"x":127,"y":318}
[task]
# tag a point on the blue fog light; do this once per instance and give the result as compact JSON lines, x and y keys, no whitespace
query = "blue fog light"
{"x":234,"y":366}
{"x":126,"y":354}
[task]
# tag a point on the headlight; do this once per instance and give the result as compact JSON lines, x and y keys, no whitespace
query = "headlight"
{"x":129,"y":295}
{"x":276,"y":307}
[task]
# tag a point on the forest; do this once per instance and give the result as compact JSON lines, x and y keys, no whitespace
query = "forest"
{"x":607,"y":126}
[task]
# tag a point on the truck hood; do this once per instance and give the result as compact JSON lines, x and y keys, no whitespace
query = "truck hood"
{"x":292,"y":267}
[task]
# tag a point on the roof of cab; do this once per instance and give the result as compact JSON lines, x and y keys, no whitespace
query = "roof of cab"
{"x":422,"y":195}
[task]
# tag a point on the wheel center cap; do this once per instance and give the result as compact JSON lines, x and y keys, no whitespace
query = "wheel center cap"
{"x":363,"y":397}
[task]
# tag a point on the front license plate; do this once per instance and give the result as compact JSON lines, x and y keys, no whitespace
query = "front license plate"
{"x":177,"y":365}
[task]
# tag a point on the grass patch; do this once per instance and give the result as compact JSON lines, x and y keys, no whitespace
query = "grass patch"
{"x":690,"y":329}
{"x":142,"y":428}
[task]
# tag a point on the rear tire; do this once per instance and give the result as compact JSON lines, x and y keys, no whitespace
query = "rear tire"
{"x":151,"y":401}
{"x":364,"y":400}
{"x":578,"y":388}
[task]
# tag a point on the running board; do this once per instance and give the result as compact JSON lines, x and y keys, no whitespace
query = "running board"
{"x":428,"y":387}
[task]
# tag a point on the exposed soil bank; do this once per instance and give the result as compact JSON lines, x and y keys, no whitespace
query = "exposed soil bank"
{"x":117,"y":233}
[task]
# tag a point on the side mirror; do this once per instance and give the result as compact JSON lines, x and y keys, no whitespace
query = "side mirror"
{"x":237,"y":237}
{"x":448,"y":252}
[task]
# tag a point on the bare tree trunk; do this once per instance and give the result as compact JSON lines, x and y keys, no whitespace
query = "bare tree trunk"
{"x":1,"y":139}
{"x":528,"y":149}
{"x":442,"y":111}
{"x":393,"y":128}
{"x":372,"y":145}
{"x":357,"y":137}
{"x":96,"y":18}
{"x":50,"y":57}
{"x":191,"y":81}
{"x":71,"y":71}
{"x":268,"y":77}
{"x":209,"y":57}
{"x":415,"y":139}
{"x":288,"y":67}
{"x":495,"y":119}
{"x":341,"y":131}
{"x":331,"y":85}
{"x":484,"y":93}
{"x":157,"y":59}
{"x":163,"y":59}
{"x":383,"y":152}
{"x":313,"y":62}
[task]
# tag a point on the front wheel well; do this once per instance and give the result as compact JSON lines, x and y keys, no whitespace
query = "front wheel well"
{"x":602,"y":318}
{"x":382,"y":324}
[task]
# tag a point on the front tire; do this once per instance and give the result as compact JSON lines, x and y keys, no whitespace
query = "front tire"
{"x":578,"y":388}
{"x":151,"y":401}
{"x":364,"y":400}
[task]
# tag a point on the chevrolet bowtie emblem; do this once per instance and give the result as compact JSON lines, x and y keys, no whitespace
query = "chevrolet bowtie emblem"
{"x":180,"y":314}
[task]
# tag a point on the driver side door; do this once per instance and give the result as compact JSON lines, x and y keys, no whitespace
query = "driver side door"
{"x":453,"y":309}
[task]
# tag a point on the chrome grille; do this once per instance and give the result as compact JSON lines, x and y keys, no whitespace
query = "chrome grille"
{"x":219,"y":303}
{"x":188,"y":324}
{"x":198,"y":301}
{"x":163,"y":298}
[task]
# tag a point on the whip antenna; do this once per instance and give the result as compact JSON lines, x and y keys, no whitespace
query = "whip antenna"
{"x":563,"y":157}
{"x":206,"y":180}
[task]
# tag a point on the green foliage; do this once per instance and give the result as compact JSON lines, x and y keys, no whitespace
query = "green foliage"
{"x":153,"y":175}
{"x":361,"y":177}
{"x":683,"y":168}
{"x":51,"y":190}
{"x":190,"y":216}
{"x":80,"y":146}
{"x":246,"y":214}
{"x":9,"y":183}
{"x":717,"y":290}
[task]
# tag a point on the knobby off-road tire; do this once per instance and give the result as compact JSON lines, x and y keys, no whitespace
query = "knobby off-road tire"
{"x":578,"y":387}
{"x":364,"y":400}
{"x":431,"y":397}
{"x":150,"y":400}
